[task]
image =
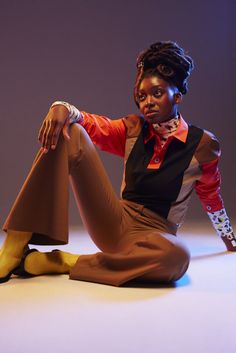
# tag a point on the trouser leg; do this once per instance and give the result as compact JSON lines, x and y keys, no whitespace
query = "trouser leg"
{"x":42,"y":204}
{"x":153,"y":256}
{"x":172,"y":264}
{"x":99,"y":206}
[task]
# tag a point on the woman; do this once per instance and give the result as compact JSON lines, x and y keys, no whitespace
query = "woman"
{"x":165,"y":159}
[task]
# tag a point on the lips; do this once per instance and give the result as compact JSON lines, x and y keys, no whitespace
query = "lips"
{"x":151,"y":113}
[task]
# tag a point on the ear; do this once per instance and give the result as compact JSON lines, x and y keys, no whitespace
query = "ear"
{"x":178,"y":97}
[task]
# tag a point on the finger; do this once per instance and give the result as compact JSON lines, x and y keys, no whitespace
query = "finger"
{"x":41,"y":131}
{"x":55,"y":136}
{"x":45,"y":135}
{"x":49,"y":134}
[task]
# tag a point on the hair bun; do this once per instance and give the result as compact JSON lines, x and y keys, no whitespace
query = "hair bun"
{"x":168,"y":60}
{"x":165,"y":70}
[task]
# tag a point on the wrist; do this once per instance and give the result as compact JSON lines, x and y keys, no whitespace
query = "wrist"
{"x":74,"y":114}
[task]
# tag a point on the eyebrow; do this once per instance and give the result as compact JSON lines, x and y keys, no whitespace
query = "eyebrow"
{"x":155,"y":86}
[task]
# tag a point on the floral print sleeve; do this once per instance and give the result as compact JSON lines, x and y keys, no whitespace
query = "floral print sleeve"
{"x":223,"y":227}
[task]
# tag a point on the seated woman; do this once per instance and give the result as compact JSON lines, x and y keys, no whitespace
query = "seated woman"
{"x":165,"y":158}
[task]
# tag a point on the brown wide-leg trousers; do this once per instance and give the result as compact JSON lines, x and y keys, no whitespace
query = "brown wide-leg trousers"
{"x":135,"y":242}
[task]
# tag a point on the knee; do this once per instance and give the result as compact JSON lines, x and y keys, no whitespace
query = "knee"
{"x":78,"y":132}
{"x":175,"y":258}
{"x":177,"y":262}
{"x":78,"y":144}
{"x":75,"y":129}
{"x":171,"y":265}
{"x":77,"y":135}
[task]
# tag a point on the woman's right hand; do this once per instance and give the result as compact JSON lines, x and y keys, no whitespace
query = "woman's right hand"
{"x":56,"y":120}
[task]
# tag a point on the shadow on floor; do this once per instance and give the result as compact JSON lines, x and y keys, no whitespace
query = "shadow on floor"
{"x":208,"y":256}
{"x":182,"y":282}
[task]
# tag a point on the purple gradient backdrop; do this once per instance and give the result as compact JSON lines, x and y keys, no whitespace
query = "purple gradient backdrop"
{"x":85,"y":51}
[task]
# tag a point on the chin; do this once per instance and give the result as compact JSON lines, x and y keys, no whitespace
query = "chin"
{"x":154,"y":120}
{"x":159,"y":119}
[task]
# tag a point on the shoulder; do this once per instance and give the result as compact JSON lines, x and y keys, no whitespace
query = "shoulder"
{"x":208,"y":148}
{"x":133,"y":124}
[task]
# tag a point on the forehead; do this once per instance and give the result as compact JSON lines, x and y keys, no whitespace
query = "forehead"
{"x":149,"y":82}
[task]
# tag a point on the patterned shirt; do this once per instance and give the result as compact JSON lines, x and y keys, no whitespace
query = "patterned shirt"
{"x":122,"y":137}
{"x":160,"y":175}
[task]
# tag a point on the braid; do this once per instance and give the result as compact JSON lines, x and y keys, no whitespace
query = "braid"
{"x":167,"y":60}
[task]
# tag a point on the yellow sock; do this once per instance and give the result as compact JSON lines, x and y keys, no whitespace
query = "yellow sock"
{"x":39,"y":263}
{"x":12,"y":250}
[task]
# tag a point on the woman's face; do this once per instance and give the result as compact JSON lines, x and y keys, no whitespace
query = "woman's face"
{"x":158,"y":100}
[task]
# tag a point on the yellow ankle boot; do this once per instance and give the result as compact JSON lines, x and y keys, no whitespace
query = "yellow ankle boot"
{"x":11,"y":252}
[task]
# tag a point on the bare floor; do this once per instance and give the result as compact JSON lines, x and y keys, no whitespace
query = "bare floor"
{"x":55,"y":314}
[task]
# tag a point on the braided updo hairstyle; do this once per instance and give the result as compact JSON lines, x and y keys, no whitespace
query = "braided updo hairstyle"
{"x":166,"y":60}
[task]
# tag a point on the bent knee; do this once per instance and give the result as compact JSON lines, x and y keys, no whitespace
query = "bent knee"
{"x":171,"y":265}
{"x":175,"y":251}
{"x":79,"y":143}
{"x":78,"y":132}
{"x":179,"y":262}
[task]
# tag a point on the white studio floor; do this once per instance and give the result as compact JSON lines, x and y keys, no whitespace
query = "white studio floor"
{"x":54,"y":314}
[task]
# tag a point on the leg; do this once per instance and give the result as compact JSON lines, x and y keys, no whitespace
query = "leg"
{"x":174,"y":263}
{"x":41,"y":207}
{"x":32,"y":217}
{"x":99,"y":206}
{"x":147,"y":257}
{"x":155,"y":257}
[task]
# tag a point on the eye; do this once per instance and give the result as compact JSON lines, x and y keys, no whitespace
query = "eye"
{"x":158,"y":93}
{"x":141,"y":97}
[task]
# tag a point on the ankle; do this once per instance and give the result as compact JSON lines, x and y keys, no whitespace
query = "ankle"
{"x":15,"y":243}
{"x":69,"y":260}
{"x":17,"y":234}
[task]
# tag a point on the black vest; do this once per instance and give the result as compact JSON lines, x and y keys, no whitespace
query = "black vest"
{"x":157,"y":189}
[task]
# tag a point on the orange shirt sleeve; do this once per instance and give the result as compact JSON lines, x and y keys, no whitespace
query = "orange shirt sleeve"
{"x":108,"y":135}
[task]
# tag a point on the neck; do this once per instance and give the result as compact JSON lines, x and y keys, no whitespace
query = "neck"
{"x":165,"y":122}
{"x":167,"y":127}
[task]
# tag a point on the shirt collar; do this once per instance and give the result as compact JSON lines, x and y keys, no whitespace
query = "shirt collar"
{"x":182,"y":130}
{"x":180,"y":133}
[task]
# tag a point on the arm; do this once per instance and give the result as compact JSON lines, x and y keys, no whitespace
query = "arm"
{"x":222,"y":225}
{"x":74,"y":113}
{"x":109,"y":135}
{"x":208,"y":191}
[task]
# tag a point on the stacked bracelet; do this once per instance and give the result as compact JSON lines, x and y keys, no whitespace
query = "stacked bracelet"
{"x":74,"y":114}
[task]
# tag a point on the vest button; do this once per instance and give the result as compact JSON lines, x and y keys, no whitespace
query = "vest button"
{"x":157,"y":160}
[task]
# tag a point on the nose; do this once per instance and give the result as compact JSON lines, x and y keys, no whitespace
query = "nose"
{"x":149,"y":101}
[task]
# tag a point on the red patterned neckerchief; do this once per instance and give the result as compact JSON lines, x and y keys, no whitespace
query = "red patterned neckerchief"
{"x":165,"y":129}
